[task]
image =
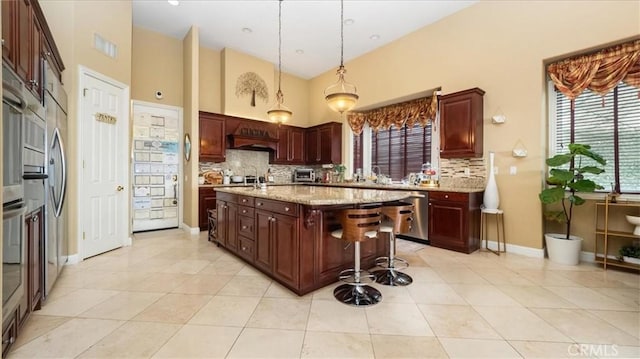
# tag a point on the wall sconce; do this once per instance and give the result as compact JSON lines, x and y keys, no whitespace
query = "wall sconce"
{"x":519,"y":150}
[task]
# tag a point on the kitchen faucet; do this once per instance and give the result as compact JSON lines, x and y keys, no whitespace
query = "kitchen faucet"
{"x":255,"y":179}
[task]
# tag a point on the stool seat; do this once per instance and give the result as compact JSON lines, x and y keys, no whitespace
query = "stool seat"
{"x":358,"y":225}
{"x":398,"y":217}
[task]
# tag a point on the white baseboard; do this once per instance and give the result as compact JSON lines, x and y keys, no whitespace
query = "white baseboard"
{"x":73,"y":259}
{"x":522,"y":250}
{"x":191,"y":230}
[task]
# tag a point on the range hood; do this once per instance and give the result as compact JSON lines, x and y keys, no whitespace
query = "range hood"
{"x":256,"y":136}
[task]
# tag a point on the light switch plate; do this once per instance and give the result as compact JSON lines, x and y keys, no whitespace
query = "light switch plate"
{"x":513,"y":170}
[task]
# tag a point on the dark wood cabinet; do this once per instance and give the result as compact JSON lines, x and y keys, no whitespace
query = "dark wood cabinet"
{"x":212,"y":137}
{"x":324,"y":144}
{"x":461,"y":124}
{"x":454,"y":220}
{"x":290,"y":149}
{"x":25,"y":34}
{"x":35,"y":255}
{"x":206,"y":201}
{"x":284,"y":242}
{"x":264,"y":246}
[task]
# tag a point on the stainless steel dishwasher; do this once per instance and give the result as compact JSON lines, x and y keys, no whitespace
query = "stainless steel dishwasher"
{"x":420,"y":227}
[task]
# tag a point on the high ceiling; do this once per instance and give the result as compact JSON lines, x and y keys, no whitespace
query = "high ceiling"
{"x":310,"y":29}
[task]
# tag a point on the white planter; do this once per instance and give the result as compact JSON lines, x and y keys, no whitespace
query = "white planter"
{"x":491,"y":199}
{"x":631,"y":260}
{"x":562,"y":250}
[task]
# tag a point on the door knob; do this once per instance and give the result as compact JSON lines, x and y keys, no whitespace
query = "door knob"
{"x":120,"y":188}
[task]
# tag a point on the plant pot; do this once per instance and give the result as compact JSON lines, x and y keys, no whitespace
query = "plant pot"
{"x":631,"y":260}
{"x":562,"y":250}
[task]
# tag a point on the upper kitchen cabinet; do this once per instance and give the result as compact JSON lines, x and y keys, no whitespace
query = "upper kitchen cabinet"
{"x":290,"y":149}
{"x":212,"y":137}
{"x":461,"y":124}
{"x":25,"y":36}
{"x":324,"y":144}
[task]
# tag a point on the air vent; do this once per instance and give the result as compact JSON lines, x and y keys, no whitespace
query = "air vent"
{"x":105,"y":46}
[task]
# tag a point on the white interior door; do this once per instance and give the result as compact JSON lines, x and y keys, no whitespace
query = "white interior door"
{"x":157,"y":159}
{"x":104,"y":142}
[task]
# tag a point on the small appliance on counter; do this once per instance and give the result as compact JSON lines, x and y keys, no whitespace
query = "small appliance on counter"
{"x":304,"y":175}
{"x":428,"y":176}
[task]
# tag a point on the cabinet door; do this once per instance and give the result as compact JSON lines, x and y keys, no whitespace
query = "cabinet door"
{"x":35,"y":55}
{"x":263,"y":241}
{"x":296,"y":146}
{"x":281,"y":154}
{"x":447,"y":221}
{"x":212,"y":139}
{"x":461,"y":124}
{"x":232,"y":227}
{"x":285,"y":249}
{"x":325,"y":139}
{"x":313,"y":151}
{"x":223,"y":222}
{"x":35,"y":257}
{"x":9,"y":32}
{"x":206,"y":201}
{"x":23,"y":59}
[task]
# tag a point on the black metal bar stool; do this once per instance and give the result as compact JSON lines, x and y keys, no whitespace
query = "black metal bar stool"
{"x":397,"y":219}
{"x":357,"y":225}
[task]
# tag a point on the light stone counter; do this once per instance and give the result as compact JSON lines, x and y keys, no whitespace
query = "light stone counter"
{"x":321,"y":195}
{"x":405,"y":187}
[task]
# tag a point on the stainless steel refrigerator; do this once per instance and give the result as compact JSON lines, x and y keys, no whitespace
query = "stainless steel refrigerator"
{"x":56,"y":234}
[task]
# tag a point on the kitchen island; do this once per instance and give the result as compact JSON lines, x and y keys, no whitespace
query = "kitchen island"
{"x":285,"y":231}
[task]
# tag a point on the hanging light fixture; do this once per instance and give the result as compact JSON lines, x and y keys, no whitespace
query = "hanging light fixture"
{"x":341,"y":96}
{"x":279,"y":113}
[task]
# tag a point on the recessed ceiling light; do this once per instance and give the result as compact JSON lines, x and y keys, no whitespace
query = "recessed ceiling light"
{"x":349,"y":21}
{"x":374,"y":37}
{"x":174,"y":2}
{"x":247,"y":30}
{"x":299,"y":51}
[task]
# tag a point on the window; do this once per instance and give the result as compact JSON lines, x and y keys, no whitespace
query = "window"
{"x":397,"y":152}
{"x":611,"y":125}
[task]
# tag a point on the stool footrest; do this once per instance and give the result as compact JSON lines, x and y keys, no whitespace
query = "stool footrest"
{"x":392,"y":277}
{"x":398,"y":263}
{"x":348,"y":276}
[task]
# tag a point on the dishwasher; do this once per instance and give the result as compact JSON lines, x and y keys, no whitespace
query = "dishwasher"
{"x":420,"y":226}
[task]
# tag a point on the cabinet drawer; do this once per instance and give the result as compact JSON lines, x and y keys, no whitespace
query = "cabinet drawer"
{"x":449,"y":196}
{"x":246,"y":211}
{"x":245,"y":226}
{"x":288,"y":208}
{"x":245,"y":247}
{"x":207,"y":191}
{"x":245,"y":200}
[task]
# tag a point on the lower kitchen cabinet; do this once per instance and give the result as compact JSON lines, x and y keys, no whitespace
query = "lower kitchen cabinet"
{"x":454,"y":220}
{"x":35,"y":248}
{"x":227,"y":211}
{"x":206,"y":201}
{"x":284,"y":243}
{"x":264,"y":259}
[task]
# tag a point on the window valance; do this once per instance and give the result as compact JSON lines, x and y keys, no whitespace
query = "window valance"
{"x":599,"y":72}
{"x":410,"y":113}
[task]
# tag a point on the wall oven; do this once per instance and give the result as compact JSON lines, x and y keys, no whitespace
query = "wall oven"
{"x":14,"y":106}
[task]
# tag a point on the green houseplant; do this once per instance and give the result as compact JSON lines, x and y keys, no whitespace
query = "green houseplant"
{"x":565,"y":181}
{"x":630,"y":253}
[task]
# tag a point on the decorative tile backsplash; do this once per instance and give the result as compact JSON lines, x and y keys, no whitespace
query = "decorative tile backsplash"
{"x":243,"y":162}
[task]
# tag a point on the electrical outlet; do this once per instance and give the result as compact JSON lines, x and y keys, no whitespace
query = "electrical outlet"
{"x":513,"y":170}
{"x":467,"y":171}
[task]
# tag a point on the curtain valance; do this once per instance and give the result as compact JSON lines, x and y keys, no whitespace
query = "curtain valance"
{"x":408,"y":113}
{"x":599,"y":72}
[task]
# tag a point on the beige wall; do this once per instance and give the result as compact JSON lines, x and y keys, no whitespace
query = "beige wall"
{"x":73,"y":25}
{"x":191,"y":56}
{"x":500,"y":47}
{"x":210,"y":80}
{"x":156,"y":65}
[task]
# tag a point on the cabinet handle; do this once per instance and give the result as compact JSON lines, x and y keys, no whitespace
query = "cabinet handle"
{"x":11,"y":340}
{"x":33,"y":83}
{"x":244,"y":227}
{"x":244,"y":211}
{"x":446,"y":196}
{"x":244,"y":249}
{"x":244,"y":200}
{"x":287,"y":209}
{"x":259,"y":204}
{"x":34,"y":219}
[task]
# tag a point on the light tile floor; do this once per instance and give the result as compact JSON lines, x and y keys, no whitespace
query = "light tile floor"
{"x":172,"y":295}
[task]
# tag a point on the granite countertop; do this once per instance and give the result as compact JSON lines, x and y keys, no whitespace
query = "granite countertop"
{"x":364,"y":185}
{"x":320,"y":195}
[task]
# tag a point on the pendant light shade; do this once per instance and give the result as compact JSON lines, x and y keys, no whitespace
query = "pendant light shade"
{"x":341,"y":96}
{"x":279,"y":113}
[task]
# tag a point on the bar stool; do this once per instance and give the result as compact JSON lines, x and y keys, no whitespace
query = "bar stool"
{"x":498,"y":215}
{"x":397,"y":219}
{"x":358,"y":225}
{"x":212,"y":220}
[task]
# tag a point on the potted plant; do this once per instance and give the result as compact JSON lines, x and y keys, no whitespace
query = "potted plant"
{"x":630,"y":253}
{"x":565,"y":180}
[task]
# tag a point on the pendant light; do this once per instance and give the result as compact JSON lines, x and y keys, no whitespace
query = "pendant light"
{"x":279,"y":113}
{"x":341,"y":96}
